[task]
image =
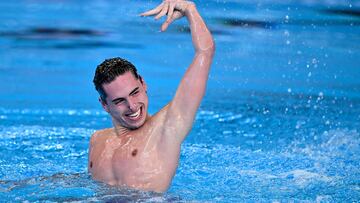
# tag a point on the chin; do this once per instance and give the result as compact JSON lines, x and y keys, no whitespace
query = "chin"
{"x":138,"y":122}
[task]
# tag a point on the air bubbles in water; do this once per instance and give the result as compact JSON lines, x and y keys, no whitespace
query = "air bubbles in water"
{"x":286,"y":33}
{"x":287,"y":18}
{"x":321,"y":95}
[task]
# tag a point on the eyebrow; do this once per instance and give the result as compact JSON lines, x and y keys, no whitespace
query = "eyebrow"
{"x":134,"y":90}
{"x":121,"y":98}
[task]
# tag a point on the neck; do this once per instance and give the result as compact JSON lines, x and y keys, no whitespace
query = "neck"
{"x":120,"y":130}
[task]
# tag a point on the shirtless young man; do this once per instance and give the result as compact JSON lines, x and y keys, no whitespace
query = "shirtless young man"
{"x":142,"y":151}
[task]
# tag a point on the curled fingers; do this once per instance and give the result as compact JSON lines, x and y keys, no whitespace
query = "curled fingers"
{"x":164,"y":11}
{"x":171,"y":10}
{"x":175,"y":15}
{"x":153,"y":11}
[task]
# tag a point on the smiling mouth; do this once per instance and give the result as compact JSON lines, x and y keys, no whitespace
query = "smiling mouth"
{"x":135,"y":115}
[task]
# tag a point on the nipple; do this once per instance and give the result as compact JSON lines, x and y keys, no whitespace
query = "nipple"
{"x":134,"y":152}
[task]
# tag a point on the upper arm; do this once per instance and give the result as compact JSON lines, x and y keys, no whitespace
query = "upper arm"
{"x":92,"y":145}
{"x":89,"y":153}
{"x":181,"y":111}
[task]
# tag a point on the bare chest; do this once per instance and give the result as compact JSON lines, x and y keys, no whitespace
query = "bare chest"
{"x":138,"y":162}
{"x":135,"y":165}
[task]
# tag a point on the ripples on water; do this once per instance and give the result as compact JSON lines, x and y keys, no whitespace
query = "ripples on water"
{"x":254,"y":151}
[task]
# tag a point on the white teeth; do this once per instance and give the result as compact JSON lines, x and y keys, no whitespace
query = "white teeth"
{"x":136,"y":114}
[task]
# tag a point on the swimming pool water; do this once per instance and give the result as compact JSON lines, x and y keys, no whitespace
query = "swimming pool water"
{"x":280,"y":120}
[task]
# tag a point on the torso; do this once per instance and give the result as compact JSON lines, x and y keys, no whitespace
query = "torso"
{"x":137,"y":159}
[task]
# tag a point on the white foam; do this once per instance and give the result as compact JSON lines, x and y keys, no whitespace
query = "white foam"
{"x":302,"y":178}
{"x":257,"y":174}
{"x":329,"y":144}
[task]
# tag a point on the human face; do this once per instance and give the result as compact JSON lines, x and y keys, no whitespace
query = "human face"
{"x":126,"y":101}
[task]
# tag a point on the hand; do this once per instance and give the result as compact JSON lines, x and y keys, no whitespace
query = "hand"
{"x":174,"y":9}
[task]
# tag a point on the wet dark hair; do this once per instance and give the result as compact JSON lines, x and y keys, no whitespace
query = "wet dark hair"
{"x":108,"y":70}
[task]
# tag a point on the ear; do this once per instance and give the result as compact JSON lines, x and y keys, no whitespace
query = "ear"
{"x":104,"y":105}
{"x":143,"y":83}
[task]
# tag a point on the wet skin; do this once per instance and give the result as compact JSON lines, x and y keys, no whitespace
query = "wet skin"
{"x":142,"y":151}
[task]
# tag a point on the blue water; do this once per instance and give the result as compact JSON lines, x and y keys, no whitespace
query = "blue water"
{"x":280,"y":120}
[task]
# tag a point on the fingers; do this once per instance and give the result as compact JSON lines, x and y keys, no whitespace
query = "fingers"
{"x":176,"y":15}
{"x":165,"y":8}
{"x":170,"y":11}
{"x":163,"y":12}
{"x":153,"y":11}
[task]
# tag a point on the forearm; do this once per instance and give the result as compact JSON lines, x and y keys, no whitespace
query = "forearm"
{"x":181,"y":111}
{"x":196,"y":75}
{"x":200,"y":34}
{"x":193,"y":85}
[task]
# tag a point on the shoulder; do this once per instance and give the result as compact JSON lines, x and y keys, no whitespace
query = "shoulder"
{"x":96,"y":162}
{"x":160,"y":115}
{"x":100,"y":135}
{"x":98,"y":142}
{"x":155,"y":123}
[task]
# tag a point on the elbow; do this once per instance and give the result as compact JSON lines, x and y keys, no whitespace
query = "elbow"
{"x":212,"y":47}
{"x":209,"y":49}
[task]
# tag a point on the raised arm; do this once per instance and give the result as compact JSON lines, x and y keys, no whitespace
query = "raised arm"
{"x":181,"y":111}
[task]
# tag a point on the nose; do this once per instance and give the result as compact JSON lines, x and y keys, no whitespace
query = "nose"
{"x":132,"y":105}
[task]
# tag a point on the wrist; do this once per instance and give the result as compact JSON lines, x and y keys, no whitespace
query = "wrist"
{"x":190,"y":7}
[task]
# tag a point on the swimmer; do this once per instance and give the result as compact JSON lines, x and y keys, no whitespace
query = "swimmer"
{"x":142,"y":151}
